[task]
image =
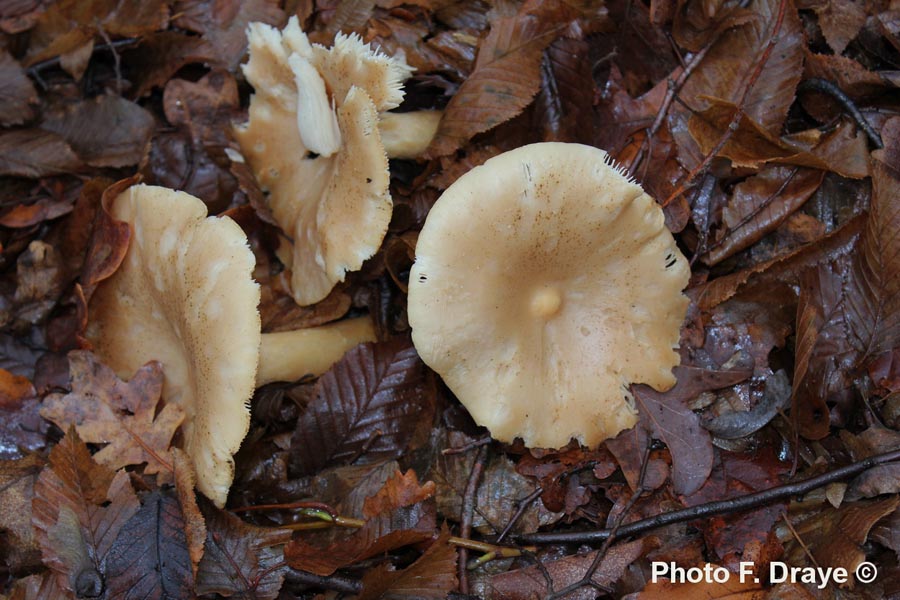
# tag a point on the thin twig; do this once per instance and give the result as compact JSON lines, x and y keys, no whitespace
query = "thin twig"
{"x":797,"y":537}
{"x":523,"y":506}
{"x":465,"y":518}
{"x":35,"y":69}
{"x":826,"y":87}
{"x":117,"y":63}
{"x":673,"y":87}
{"x":588,"y":577}
{"x":484,"y":441}
{"x":739,"y":111}
{"x":332,"y":582}
{"x":719,"y":507}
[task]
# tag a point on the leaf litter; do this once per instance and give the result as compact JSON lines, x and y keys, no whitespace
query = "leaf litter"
{"x":768,"y":129}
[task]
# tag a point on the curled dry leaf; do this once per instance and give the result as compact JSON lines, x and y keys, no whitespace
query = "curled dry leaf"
{"x":123,"y":416}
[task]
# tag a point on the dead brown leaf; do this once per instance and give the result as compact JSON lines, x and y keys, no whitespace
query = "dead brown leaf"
{"x":123,"y":416}
{"x":79,"y":507}
{"x":223,"y":23}
{"x":759,"y":205}
{"x":106,"y":131}
{"x":240,"y":559}
{"x":506,"y":75}
{"x":36,"y":153}
{"x":17,"y":94}
{"x":431,"y":577}
{"x":405,"y":515}
{"x":530,"y":582}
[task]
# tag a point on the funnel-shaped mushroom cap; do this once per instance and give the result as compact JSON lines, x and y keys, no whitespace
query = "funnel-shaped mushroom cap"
{"x":184,"y":295}
{"x":313,"y":142}
{"x":546,"y":283}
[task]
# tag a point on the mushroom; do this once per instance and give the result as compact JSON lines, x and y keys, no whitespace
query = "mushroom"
{"x":184,"y":295}
{"x":545,"y":283}
{"x":314,"y":143}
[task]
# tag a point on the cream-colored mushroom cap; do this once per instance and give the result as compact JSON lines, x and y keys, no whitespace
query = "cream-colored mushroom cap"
{"x":545,"y":283}
{"x":184,"y":295}
{"x":313,"y":143}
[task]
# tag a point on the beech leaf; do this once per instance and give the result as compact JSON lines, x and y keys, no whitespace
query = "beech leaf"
{"x":399,"y":514}
{"x":79,"y":507}
{"x":36,"y":153}
{"x":431,"y":577}
{"x":240,"y":559}
{"x":106,"y":410}
{"x":370,"y":402}
{"x":507,"y":73}
{"x":149,"y":558}
{"x":872,"y":306}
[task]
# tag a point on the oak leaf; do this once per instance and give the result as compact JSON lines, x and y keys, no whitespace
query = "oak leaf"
{"x":106,"y":410}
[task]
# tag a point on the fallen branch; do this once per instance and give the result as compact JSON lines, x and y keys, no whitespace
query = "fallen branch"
{"x":711,"y":509}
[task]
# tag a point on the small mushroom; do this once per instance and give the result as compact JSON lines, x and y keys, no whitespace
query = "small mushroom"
{"x":313,"y":142}
{"x":184,"y":295}
{"x":545,"y":283}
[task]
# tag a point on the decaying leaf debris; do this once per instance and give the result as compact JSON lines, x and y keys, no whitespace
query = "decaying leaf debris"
{"x":767,"y":130}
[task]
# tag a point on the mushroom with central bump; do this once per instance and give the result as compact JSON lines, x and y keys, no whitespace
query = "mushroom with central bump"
{"x":545,"y":284}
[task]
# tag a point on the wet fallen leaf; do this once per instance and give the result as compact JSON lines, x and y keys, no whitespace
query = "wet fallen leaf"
{"x":405,"y":515}
{"x":36,"y":153}
{"x":367,"y":405}
{"x":530,"y":582}
{"x":240,"y":559}
{"x":149,"y":558}
{"x":431,"y":577}
{"x":667,"y":417}
{"x":122,"y":416}
{"x":17,"y":95}
{"x":107,"y":131}
{"x":506,"y":75}
{"x":79,"y":508}
{"x":223,"y":23}
{"x":733,"y":589}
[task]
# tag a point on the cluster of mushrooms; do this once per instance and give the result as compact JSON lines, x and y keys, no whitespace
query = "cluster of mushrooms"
{"x":545,"y":280}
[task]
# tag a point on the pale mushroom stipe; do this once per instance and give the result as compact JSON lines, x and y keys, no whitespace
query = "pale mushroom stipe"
{"x":313,"y":142}
{"x":184,"y":295}
{"x":545,"y":284}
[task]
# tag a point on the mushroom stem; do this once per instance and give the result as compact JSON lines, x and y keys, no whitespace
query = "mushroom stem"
{"x":290,"y":355}
{"x":408,"y":135}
